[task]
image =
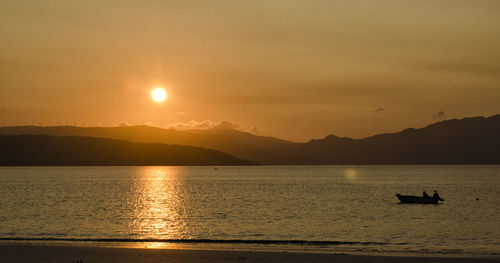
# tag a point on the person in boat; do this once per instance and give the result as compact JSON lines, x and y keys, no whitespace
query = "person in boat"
{"x":424,"y":194}
{"x":436,"y":196}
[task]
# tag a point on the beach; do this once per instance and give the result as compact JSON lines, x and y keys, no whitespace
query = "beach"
{"x":21,"y":253}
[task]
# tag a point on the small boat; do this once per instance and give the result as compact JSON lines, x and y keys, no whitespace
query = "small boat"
{"x":411,"y":199}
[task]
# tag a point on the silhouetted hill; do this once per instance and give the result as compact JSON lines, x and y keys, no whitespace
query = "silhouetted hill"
{"x":465,"y":141}
{"x":74,"y":150}
{"x":259,"y":149}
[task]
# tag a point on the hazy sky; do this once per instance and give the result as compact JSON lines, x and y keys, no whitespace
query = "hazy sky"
{"x":292,"y":69}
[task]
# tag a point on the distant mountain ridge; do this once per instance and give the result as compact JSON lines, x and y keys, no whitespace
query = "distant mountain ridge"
{"x":466,"y":141}
{"x":472,"y":140}
{"x":259,"y":149}
{"x":44,"y":150}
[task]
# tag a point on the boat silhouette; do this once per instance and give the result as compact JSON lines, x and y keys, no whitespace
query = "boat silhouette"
{"x":411,"y":199}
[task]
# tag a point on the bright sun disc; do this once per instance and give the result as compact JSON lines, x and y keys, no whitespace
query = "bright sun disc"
{"x":159,"y":94}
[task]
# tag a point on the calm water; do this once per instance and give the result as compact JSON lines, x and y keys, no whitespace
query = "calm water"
{"x":327,"y":208}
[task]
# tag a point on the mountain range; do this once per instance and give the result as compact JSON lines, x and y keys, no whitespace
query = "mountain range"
{"x":472,"y":140}
{"x":44,"y":150}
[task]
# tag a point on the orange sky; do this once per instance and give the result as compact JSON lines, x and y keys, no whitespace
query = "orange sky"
{"x":291,"y":69}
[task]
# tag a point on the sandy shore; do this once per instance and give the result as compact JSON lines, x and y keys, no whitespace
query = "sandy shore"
{"x":55,"y":254}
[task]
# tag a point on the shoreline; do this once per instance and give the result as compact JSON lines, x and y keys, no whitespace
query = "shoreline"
{"x":64,"y":252}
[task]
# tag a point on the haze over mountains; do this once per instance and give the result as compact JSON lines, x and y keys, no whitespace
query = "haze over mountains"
{"x":465,"y":141}
{"x":244,"y":145}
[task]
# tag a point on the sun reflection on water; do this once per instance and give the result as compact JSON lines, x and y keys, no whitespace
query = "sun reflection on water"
{"x":157,"y":205}
{"x":156,"y":245}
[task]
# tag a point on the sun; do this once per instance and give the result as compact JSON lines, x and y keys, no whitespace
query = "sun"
{"x":159,"y":94}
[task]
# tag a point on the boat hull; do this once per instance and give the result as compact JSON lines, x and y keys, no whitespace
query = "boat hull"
{"x":411,"y":199}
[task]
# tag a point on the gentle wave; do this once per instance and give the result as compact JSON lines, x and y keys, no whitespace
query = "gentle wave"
{"x":201,"y":241}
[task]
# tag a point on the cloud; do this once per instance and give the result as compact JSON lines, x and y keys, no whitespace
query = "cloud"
{"x":460,"y":67}
{"x":314,"y":93}
{"x":227,"y":125}
{"x":124,"y":124}
{"x":379,"y":110}
{"x":193,"y":125}
{"x":208,"y":124}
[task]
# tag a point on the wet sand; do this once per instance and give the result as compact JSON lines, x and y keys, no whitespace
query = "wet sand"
{"x":55,"y":254}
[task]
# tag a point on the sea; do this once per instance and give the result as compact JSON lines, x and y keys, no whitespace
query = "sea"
{"x":325,"y":209}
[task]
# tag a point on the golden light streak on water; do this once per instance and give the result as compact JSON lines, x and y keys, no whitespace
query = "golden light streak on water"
{"x":156,"y":245}
{"x":157,"y":204}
